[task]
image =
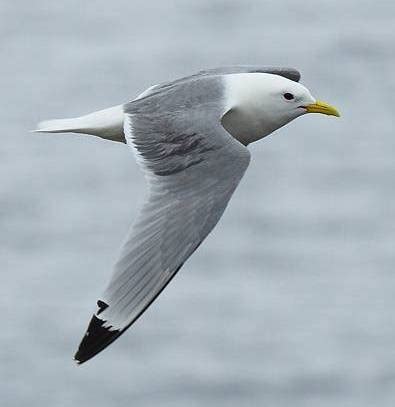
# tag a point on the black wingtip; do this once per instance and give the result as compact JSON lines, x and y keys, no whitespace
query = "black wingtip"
{"x":97,"y":337}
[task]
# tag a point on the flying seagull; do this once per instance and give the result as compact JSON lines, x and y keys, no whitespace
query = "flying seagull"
{"x":190,"y":137}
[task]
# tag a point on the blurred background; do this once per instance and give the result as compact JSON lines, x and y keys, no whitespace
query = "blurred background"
{"x":290,"y":300}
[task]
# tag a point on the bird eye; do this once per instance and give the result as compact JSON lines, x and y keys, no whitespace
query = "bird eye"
{"x":288,"y":96}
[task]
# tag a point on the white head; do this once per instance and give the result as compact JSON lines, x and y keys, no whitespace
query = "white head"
{"x":259,"y":103}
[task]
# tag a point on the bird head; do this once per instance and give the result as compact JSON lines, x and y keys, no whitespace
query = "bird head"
{"x":260,"y":103}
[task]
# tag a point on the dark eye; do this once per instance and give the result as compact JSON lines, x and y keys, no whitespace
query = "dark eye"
{"x":288,"y":96}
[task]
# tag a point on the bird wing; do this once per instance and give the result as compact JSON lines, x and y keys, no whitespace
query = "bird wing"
{"x":289,"y":73}
{"x":192,"y":166}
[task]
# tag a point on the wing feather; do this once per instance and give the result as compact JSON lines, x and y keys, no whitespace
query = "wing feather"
{"x":193,"y":167}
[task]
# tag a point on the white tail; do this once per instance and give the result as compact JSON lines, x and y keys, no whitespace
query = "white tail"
{"x":107,"y":124}
{"x":58,"y":126}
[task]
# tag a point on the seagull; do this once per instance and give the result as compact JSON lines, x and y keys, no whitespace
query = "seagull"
{"x":190,"y":137}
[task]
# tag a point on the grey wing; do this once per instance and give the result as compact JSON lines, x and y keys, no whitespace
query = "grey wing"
{"x":192,"y":171}
{"x":286,"y":72}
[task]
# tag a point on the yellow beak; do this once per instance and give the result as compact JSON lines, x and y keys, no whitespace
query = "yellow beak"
{"x":322,"y":107}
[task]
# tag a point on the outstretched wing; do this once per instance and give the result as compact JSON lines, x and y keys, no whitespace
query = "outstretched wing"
{"x":192,"y":167}
{"x":289,"y":73}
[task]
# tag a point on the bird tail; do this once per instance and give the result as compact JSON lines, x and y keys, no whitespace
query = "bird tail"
{"x":107,"y":124}
{"x":60,"y":126}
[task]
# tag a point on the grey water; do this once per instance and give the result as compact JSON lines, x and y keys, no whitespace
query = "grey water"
{"x":290,"y":301}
